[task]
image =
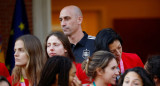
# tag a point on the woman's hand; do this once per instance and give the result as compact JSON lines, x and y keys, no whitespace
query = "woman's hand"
{"x":76,"y":82}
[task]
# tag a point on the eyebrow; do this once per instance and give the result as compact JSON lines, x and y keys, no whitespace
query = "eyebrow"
{"x":63,"y":17}
{"x":137,"y":79}
{"x":134,"y":79}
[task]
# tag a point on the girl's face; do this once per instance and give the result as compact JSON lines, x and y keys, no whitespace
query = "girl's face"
{"x":72,"y":75}
{"x":20,"y":54}
{"x":55,"y":47}
{"x":111,"y":72}
{"x":132,"y":79}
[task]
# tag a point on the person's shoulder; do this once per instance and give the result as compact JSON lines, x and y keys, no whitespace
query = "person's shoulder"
{"x":91,"y":37}
{"x":130,"y":55}
{"x":2,"y":65}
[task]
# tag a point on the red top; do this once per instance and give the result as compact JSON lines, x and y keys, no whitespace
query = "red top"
{"x":131,"y":60}
{"x":81,"y":74}
{"x":108,"y":85}
{"x":10,"y":81}
{"x":3,"y":70}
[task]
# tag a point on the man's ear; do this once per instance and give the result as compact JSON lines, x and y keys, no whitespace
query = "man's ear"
{"x":99,"y":71}
{"x":80,"y":19}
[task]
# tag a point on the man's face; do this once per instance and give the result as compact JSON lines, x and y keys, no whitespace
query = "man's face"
{"x":69,"y":21}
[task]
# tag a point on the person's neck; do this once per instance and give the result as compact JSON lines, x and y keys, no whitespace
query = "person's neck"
{"x":24,"y":73}
{"x":76,"y":37}
{"x":157,"y":83}
{"x":100,"y":82}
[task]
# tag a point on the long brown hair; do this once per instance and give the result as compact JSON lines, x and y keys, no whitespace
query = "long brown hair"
{"x":99,"y":59}
{"x":33,"y":49}
{"x":66,"y":44}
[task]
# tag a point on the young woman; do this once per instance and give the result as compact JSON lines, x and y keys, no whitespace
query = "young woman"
{"x":152,"y":66}
{"x":102,"y":68}
{"x":108,"y":39}
{"x":29,"y":60}
{"x":135,"y":77}
{"x":58,"y":71}
{"x":58,"y":44}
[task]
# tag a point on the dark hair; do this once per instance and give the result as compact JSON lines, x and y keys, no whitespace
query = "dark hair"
{"x":153,"y":66}
{"x":105,"y":37}
{"x":99,"y":59}
{"x":66,"y":44}
{"x":147,"y":81}
{"x":56,"y":65}
{"x":4,"y":79}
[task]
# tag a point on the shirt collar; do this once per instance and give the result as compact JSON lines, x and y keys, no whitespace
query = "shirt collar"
{"x":83,"y":40}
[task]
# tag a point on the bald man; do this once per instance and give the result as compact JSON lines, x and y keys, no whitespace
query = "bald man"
{"x":82,"y":44}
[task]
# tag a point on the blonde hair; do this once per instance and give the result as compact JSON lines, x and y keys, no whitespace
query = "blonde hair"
{"x":99,"y":59}
{"x":36,"y":61}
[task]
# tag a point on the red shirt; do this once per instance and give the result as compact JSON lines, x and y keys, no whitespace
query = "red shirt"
{"x":108,"y":85}
{"x":131,"y":60}
{"x":4,"y":71}
{"x":10,"y":81}
{"x":81,"y":74}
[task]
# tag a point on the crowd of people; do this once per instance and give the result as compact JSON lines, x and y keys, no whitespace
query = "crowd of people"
{"x":74,"y":58}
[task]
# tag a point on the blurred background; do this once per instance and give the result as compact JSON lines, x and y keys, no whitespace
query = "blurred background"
{"x":137,"y":21}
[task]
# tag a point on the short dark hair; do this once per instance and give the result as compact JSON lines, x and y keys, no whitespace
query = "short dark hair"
{"x":147,"y":81}
{"x":105,"y":37}
{"x":2,"y":78}
{"x":66,"y":44}
{"x":56,"y":65}
{"x":153,"y":66}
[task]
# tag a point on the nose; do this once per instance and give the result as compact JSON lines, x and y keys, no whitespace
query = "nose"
{"x":16,"y":54}
{"x":51,"y":48}
{"x":118,"y":52}
{"x":63,"y":23}
{"x":117,"y":71}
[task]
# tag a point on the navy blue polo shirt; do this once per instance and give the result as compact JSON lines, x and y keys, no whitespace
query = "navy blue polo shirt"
{"x":84,"y":48}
